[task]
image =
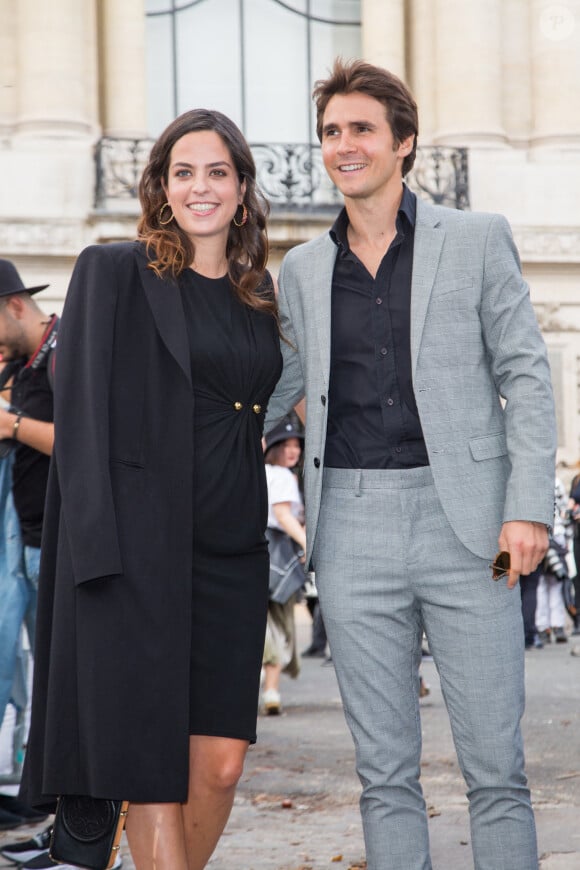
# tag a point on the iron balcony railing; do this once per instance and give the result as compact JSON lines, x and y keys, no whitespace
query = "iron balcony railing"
{"x":291,"y":176}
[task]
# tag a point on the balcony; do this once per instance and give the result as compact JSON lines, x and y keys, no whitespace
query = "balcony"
{"x":291,"y":176}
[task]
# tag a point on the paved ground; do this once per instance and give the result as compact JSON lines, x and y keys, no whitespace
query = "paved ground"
{"x":304,"y":758}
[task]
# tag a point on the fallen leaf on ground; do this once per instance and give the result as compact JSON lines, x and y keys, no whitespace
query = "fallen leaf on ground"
{"x":261,"y":798}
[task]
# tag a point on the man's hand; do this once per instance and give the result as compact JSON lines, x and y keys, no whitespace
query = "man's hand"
{"x":33,"y":433}
{"x":527,"y":543}
{"x":7,"y":420}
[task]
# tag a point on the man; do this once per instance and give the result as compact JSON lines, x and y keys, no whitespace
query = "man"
{"x":27,"y":337}
{"x":405,"y":325}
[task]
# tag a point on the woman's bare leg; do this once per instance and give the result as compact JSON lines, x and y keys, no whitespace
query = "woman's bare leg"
{"x":215,"y":766}
{"x":183,"y":836}
{"x":156,"y":836}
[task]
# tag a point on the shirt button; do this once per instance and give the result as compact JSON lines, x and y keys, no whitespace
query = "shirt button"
{"x":384,"y":351}
{"x":256,"y":408}
{"x":398,"y":450}
{"x":238,"y":406}
{"x":390,"y":401}
{"x":316,"y":462}
{"x":378,"y":300}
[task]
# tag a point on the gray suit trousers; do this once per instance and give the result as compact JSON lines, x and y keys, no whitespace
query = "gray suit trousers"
{"x":388,"y":566}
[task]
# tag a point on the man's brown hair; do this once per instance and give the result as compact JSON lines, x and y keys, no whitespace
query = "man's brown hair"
{"x":362,"y":77}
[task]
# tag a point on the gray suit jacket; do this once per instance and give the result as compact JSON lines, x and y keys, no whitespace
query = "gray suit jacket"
{"x":474,"y":339}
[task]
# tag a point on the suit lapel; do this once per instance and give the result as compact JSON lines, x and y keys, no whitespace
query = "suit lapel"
{"x":320,"y":268}
{"x":429,"y":236}
{"x":165,"y":302}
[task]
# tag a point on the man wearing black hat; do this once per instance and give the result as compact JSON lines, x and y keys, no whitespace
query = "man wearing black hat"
{"x":27,"y":339}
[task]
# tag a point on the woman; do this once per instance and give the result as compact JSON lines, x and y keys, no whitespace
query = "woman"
{"x":574,"y":512}
{"x":286,"y":514}
{"x":550,"y":607}
{"x":155,"y":566}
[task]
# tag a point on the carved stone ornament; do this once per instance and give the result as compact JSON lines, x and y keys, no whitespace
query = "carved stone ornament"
{"x":550,"y":318}
{"x":55,"y":238}
{"x":549,"y":244}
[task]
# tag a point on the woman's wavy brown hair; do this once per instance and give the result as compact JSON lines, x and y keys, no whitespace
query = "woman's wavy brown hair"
{"x":170,"y":248}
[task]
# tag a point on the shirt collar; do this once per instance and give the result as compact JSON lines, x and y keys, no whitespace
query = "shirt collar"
{"x":407,"y":212}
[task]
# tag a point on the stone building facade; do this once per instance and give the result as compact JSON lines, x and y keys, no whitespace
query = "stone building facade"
{"x":85,"y":85}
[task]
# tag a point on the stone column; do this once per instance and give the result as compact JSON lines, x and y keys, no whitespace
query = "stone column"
{"x":123,"y":79}
{"x":53,"y":67}
{"x":556,"y":72}
{"x":468,"y":71}
{"x":516,"y":66}
{"x":383,"y":34}
{"x":421,"y":65}
{"x":8,"y":64}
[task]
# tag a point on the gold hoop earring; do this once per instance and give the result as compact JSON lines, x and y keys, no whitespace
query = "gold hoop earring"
{"x":160,"y":216}
{"x":244,"y":216}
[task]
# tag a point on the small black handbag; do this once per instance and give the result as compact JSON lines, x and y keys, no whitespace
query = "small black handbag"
{"x":286,"y":570}
{"x":87,"y":831}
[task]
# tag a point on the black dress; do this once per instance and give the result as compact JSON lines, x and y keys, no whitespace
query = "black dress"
{"x":235,"y":363}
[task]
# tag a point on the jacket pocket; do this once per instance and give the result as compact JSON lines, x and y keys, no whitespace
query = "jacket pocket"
{"x":488,"y":446}
{"x":126,"y":463}
{"x":453,"y":285}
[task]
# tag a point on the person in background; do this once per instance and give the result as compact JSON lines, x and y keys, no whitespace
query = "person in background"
{"x":282,"y":453}
{"x":318,"y":640}
{"x":529,"y":597}
{"x":406,"y":324}
{"x":574,"y":513}
{"x":550,"y":607}
{"x":155,"y":561}
{"x":27,"y":343}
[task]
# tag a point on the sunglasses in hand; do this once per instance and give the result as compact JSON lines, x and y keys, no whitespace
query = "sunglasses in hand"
{"x":500,"y":565}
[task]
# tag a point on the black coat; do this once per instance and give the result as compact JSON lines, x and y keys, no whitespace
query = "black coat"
{"x":111,"y":700}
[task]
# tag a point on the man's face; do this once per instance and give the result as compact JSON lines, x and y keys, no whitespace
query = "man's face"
{"x":358,"y":148}
{"x":12,"y":339}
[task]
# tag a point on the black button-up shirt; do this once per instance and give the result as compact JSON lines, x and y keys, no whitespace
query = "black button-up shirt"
{"x":372,"y":414}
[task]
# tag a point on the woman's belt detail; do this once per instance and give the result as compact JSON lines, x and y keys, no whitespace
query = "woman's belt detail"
{"x":238,"y":406}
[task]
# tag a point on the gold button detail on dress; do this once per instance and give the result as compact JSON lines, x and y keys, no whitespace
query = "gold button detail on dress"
{"x":256,"y":409}
{"x":238,"y":406}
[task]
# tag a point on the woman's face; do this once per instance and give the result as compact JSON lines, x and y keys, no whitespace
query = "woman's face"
{"x":203,"y":188}
{"x":290,"y":453}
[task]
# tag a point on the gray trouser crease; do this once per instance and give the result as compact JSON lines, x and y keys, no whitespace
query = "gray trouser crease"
{"x":389,"y":566}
